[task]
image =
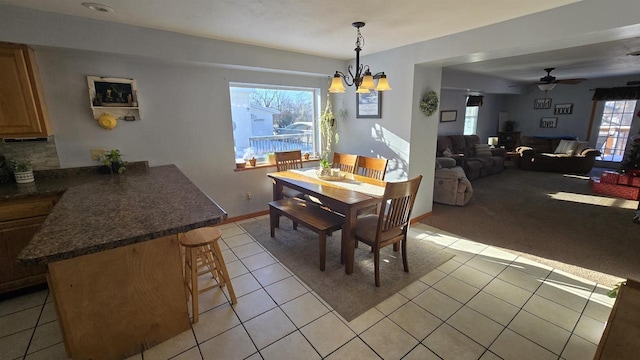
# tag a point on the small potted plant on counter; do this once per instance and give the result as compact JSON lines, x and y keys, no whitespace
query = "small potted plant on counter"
{"x":113,"y":160}
{"x":22,"y":171}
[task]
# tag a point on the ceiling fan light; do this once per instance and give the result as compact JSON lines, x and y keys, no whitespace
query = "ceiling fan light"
{"x":336,"y":84}
{"x":383,"y":83}
{"x":546,"y":87}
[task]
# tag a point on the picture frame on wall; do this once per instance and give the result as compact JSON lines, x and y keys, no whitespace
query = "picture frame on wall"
{"x":112,"y":92}
{"x":539,"y":104}
{"x":448,"y":115}
{"x":369,"y":105}
{"x":548,"y":122}
{"x":563,"y":109}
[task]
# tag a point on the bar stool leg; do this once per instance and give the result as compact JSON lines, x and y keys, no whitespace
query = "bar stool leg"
{"x":194,"y":284}
{"x":222,"y":271}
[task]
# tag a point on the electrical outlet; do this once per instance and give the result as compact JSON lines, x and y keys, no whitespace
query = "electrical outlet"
{"x":96,"y":153}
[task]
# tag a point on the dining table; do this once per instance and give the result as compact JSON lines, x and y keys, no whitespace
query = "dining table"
{"x":345,"y":194}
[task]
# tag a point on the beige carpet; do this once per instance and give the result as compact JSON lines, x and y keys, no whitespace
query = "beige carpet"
{"x":550,"y":218}
{"x":350,"y":295}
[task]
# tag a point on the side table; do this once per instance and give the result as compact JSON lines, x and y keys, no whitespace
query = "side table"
{"x":511,"y":156}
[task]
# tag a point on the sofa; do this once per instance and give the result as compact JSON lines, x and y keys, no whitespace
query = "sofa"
{"x":475,"y":158}
{"x":451,"y":185}
{"x":556,"y":155}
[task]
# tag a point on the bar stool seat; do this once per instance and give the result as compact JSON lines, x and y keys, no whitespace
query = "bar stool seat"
{"x":202,"y":251}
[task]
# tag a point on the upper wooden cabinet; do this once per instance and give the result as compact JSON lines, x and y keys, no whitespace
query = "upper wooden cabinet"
{"x":22,"y":108}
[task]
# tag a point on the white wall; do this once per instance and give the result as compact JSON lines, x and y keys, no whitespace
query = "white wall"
{"x":487,"y":114}
{"x":185,"y":119}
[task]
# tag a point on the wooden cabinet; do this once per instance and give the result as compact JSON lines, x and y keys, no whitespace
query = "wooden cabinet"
{"x":509,"y":139}
{"x":19,"y":222}
{"x":22,"y":108}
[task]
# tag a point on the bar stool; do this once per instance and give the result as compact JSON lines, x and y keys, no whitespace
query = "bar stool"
{"x":202,"y":251}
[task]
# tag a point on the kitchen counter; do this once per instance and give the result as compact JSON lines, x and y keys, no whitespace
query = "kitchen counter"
{"x":101,"y":212}
{"x":114,"y":265}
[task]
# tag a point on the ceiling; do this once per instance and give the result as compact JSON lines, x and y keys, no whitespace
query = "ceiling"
{"x":324,"y":28}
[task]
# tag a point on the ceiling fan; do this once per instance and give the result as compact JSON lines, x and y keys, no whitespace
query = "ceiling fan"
{"x":548,"y":82}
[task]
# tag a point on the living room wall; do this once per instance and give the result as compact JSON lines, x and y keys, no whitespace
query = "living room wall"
{"x":521,"y":108}
{"x":487,"y":114}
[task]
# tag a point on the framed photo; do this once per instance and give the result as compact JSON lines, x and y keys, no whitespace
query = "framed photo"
{"x":114,"y":92}
{"x":369,"y":105}
{"x":563,"y":109}
{"x":542,"y":103}
{"x":448,"y":115}
{"x":548,"y":122}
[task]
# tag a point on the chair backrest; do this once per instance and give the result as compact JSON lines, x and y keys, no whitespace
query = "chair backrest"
{"x":287,"y":160}
{"x":397,"y":203}
{"x":371,"y":167}
{"x":346,"y":162}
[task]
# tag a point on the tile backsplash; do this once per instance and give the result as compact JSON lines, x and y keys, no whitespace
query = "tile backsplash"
{"x":42,"y":154}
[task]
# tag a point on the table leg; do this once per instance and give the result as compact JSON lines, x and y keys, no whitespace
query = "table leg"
{"x":348,"y":239}
{"x":277,"y":190}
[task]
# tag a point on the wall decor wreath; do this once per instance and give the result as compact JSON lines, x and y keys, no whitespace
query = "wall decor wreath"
{"x":429,"y":103}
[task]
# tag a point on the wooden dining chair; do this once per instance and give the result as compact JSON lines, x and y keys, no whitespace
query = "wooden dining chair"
{"x":374,"y":168}
{"x":346,"y":162}
{"x":391,"y":224}
{"x":289,"y":160}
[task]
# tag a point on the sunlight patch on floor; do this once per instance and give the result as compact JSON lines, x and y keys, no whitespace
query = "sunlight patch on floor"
{"x":595,"y":200}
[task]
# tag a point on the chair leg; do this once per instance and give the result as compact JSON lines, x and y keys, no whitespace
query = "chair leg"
{"x":295,"y":225}
{"x":376,"y":261}
{"x":396,"y":246}
{"x":404,"y":255}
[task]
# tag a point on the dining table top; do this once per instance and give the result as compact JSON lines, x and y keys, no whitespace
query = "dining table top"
{"x":350,"y":190}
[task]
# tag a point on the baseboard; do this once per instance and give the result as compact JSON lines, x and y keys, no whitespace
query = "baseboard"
{"x":420,"y":217}
{"x":245,"y":217}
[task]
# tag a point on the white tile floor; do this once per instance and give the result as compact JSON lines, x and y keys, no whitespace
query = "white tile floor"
{"x":485,"y":303}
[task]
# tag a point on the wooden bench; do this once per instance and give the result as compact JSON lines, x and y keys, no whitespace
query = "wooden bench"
{"x":619,"y":340}
{"x":312,"y":216}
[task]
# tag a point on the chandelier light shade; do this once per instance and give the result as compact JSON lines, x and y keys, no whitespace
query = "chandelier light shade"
{"x":546,"y":87}
{"x":363,"y":80}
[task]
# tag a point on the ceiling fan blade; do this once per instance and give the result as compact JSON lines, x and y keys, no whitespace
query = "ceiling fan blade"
{"x":570,"y":81}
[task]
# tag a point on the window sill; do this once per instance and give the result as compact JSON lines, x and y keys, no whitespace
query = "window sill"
{"x":267,"y":165}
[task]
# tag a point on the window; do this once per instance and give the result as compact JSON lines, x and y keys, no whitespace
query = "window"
{"x":471,"y":120}
{"x":269,"y":119}
{"x":614,"y":129}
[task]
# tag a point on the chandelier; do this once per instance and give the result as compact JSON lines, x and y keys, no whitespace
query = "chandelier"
{"x":363,"y":80}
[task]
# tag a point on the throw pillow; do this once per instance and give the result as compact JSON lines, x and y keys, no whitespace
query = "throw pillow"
{"x":564,"y":146}
{"x":580,"y":146}
{"x":483,"y":150}
{"x":447,"y":152}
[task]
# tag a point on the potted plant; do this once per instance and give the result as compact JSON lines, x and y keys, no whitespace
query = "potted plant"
{"x":22,"y":171}
{"x":325,"y":168}
{"x":113,"y":160}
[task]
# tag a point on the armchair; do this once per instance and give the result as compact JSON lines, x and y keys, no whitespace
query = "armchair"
{"x":451,"y":185}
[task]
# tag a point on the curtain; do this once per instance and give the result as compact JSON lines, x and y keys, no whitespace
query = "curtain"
{"x":617,"y":93}
{"x":474,"y":100}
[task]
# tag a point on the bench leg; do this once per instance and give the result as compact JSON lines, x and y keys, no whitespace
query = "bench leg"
{"x":273,"y":220}
{"x":323,"y":249}
{"x":295,"y":225}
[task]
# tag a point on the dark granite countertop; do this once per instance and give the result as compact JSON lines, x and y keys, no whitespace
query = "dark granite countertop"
{"x":101,"y":212}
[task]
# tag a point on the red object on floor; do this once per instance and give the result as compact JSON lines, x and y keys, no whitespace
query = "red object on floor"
{"x":609,"y":177}
{"x":629,"y":180}
{"x":621,"y":191}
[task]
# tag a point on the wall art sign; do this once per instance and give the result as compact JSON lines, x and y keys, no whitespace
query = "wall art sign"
{"x":548,"y":122}
{"x":563,"y":109}
{"x":542,"y":103}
